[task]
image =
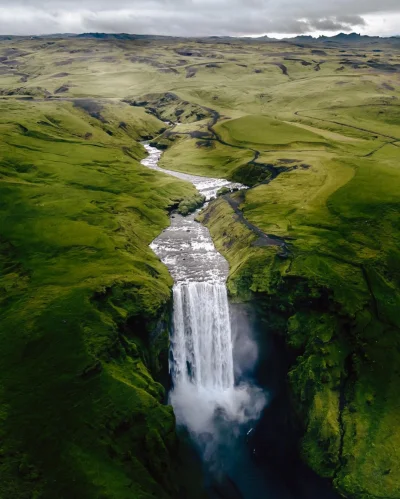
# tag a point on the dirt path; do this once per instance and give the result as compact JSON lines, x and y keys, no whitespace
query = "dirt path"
{"x":324,"y":133}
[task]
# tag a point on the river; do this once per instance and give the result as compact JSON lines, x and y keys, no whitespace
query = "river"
{"x":214,"y":360}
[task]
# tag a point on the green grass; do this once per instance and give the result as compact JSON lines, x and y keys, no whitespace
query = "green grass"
{"x":208,"y":158}
{"x":80,"y":290}
{"x":191,"y":204}
{"x":342,"y":218}
{"x":264,"y":132}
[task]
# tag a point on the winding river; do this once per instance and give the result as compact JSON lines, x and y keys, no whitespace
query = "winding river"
{"x":201,"y":356}
{"x":213,"y":356}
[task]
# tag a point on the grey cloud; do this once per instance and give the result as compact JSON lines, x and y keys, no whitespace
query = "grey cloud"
{"x":209,"y":25}
{"x":188,"y":17}
{"x":330,"y":25}
{"x":352,"y":20}
{"x":184,"y":25}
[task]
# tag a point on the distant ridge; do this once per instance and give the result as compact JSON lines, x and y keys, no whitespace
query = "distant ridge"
{"x":119,"y":36}
{"x":342,"y":38}
{"x":339,"y":38}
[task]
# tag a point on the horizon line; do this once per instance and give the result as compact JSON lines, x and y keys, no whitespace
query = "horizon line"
{"x":251,"y":37}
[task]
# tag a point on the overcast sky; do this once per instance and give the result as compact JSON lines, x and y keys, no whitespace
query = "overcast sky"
{"x":201,"y":17}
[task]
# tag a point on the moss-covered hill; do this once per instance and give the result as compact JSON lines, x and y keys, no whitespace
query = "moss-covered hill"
{"x":335,"y":296}
{"x":84,"y":304}
{"x":314,"y":132}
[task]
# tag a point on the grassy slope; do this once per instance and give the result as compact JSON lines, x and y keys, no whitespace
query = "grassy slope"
{"x":336,"y":295}
{"x":213,"y":160}
{"x":264,"y":132}
{"x":337,"y":299}
{"x":79,"y":290}
{"x":347,"y":240}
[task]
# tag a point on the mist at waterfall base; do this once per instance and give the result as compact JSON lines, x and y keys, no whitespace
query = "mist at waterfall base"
{"x":215,"y":400}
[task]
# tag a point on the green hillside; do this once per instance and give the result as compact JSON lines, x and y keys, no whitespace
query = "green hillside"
{"x":85,"y":302}
{"x":80,"y":291}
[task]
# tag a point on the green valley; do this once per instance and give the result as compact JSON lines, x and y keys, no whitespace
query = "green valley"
{"x":313,"y":129}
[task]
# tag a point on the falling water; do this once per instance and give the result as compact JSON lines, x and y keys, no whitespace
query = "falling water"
{"x":202,"y":340}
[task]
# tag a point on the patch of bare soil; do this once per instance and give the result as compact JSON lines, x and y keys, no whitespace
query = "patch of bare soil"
{"x":386,"y":86}
{"x":205,"y":144}
{"x":66,"y":62}
{"x":32,"y":92}
{"x":382,"y":66}
{"x":82,"y":51}
{"x":318,"y":52}
{"x":109,"y":58}
{"x":92,"y":107}
{"x":168,"y":70}
{"x":302,"y":61}
{"x":189,"y":53}
{"x":281,"y":66}
{"x":62,"y":89}
{"x":12,"y":52}
{"x":60,"y":75}
{"x":286,"y":161}
{"x":191,"y":72}
{"x":155,"y":64}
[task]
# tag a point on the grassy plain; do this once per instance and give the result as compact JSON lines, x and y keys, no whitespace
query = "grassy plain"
{"x":314,"y":129}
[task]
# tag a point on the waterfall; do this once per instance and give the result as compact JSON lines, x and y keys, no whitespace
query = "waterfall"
{"x":201,"y":344}
{"x":214,"y":407}
{"x":201,"y":353}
